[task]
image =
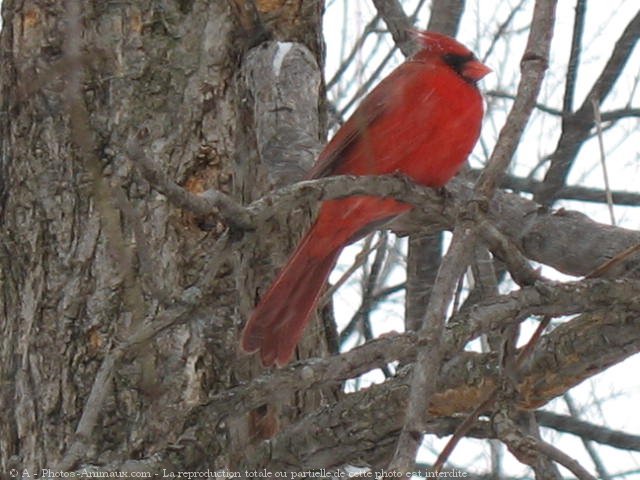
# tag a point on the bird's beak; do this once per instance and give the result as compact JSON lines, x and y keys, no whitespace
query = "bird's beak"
{"x":475,"y":70}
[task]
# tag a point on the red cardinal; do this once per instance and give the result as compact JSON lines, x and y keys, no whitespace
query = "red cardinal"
{"x":423,"y":121}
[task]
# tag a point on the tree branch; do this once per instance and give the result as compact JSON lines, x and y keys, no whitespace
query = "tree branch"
{"x":542,"y":235}
{"x":563,"y":459}
{"x":575,"y":129}
{"x":582,"y":194}
{"x":207,"y":203}
{"x":373,"y":416}
{"x":533,"y":66}
{"x":398,"y":23}
{"x":432,"y":349}
{"x":445,"y":16}
{"x":574,"y":58}
{"x":528,"y":449}
{"x":589,"y":431}
{"x":545,"y":298}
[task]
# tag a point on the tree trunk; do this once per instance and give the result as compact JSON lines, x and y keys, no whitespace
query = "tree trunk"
{"x":91,"y":253}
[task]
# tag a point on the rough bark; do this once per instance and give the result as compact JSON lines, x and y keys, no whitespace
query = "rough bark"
{"x":90,"y":261}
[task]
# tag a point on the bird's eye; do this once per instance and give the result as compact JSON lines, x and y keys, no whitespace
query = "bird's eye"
{"x":457,"y":62}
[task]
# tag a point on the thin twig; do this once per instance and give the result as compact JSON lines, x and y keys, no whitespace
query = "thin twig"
{"x":528,"y":449}
{"x":603,"y":160}
{"x":376,"y":298}
{"x":569,"y":192}
{"x":576,"y":129}
{"x":510,"y":96}
{"x":589,"y":431}
{"x":563,"y":459}
{"x":359,"y":261}
{"x":398,"y":23}
{"x":208,"y":202}
{"x":364,"y":88}
{"x":508,"y":252}
{"x":369,"y":28}
{"x":502,"y":29}
{"x":574,"y":58}
{"x":533,"y":67}
{"x":463,"y":429}
{"x":603,"y":474}
{"x":372,"y":279}
{"x":602,"y":270}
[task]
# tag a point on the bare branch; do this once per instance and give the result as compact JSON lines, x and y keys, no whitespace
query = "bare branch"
{"x":543,"y":235}
{"x":376,"y":298}
{"x":366,"y":86}
{"x":368,"y":29}
{"x":614,"y":115}
{"x":571,"y":351}
{"x":359,"y":261}
{"x":372,"y":279}
{"x":563,"y":459}
{"x":533,"y":66}
{"x":209,"y":202}
{"x":604,"y":270}
{"x":398,"y":24}
{"x":381,"y":407}
{"x":547,"y":298}
{"x":310,"y":191}
{"x":574,"y":58}
{"x":312,"y":374}
{"x":511,"y":96}
{"x":575,"y":129}
{"x":583,"y":194}
{"x":508,"y":252}
{"x":588,"y":446}
{"x":589,"y":431}
{"x":610,"y":116}
{"x":432,"y":351}
{"x":446,"y":15}
{"x":521,"y":220}
{"x":603,"y":161}
{"x":516,"y":217}
{"x":501,"y":30}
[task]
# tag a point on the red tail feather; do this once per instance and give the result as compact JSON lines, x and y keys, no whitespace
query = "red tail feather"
{"x":277,"y":323}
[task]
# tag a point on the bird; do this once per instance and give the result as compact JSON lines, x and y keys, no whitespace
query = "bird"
{"x":422,"y":121}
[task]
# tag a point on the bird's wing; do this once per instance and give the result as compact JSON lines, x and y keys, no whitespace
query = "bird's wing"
{"x":381,"y":99}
